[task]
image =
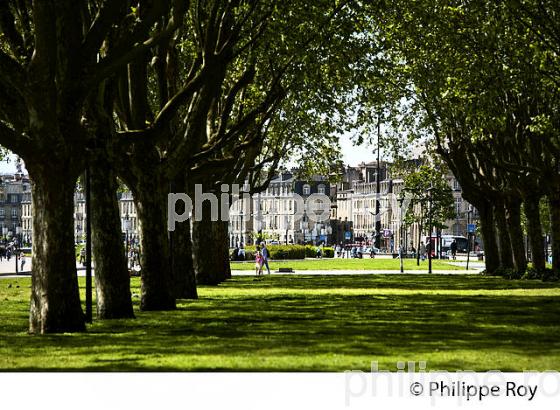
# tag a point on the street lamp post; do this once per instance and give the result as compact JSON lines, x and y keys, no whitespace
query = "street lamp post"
{"x":16,"y":248}
{"x":401,"y":247}
{"x":286,"y":219}
{"x":241,"y":227}
{"x":469,"y":212}
{"x":430,"y":228}
{"x":127,"y":228}
{"x":378,"y":186}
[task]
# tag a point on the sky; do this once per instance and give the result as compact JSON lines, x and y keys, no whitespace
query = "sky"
{"x":352,"y":155}
{"x":8,"y":166}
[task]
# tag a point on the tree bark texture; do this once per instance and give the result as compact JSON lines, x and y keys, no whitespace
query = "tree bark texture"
{"x":208,"y":251}
{"x":534,"y":232}
{"x":554,"y":206}
{"x":182,"y":264}
{"x":513,"y":217}
{"x":55,"y":300}
{"x":157,"y":281}
{"x":504,"y":240}
{"x":182,"y":261}
{"x":488,"y":231}
{"x":221,"y":238}
{"x":112,"y":280}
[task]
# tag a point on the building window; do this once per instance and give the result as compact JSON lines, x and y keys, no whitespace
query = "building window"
{"x":321,"y":189}
{"x":306,"y":189}
{"x":2,"y":212}
{"x":458,"y":202}
{"x":456,"y":186}
{"x":14,"y":213}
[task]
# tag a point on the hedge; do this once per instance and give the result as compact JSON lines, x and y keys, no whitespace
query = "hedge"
{"x":289,"y":252}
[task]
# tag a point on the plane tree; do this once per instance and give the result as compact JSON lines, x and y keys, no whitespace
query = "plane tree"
{"x":52,"y":55}
{"x":466,"y":72}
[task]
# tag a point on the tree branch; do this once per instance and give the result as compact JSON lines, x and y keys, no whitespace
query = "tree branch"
{"x":110,"y":12}
{"x":15,"y":141}
{"x":132,"y":47}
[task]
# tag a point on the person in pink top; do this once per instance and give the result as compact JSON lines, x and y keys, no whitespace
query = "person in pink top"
{"x":258,"y":261}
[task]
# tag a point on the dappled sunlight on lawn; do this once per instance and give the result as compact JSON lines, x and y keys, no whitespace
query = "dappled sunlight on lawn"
{"x":315,"y":323}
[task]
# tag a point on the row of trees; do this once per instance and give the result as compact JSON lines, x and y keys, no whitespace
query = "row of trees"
{"x":167,"y":94}
{"x":163,"y":95}
{"x":480,"y":80}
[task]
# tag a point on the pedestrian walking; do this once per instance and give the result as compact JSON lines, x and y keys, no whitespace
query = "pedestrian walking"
{"x":422,"y":251}
{"x":265,"y":255}
{"x":454,"y":249}
{"x":319,"y":251}
{"x":22,"y":258}
{"x":258,"y":261}
{"x":83,"y":256}
{"x":241,"y":253}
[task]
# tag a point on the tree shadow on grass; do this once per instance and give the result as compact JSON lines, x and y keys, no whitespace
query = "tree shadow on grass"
{"x":302,"y":326}
{"x":395,"y":281}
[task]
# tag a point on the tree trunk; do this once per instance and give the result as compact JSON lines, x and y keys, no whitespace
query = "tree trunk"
{"x":488,"y":231}
{"x":182,"y":261}
{"x":513,"y":216}
{"x":182,"y":264}
{"x":504,"y":240}
{"x":55,"y":300}
{"x":208,"y":250}
{"x":419,"y":240}
{"x":221,"y":239}
{"x":151,"y":204}
{"x":554,"y":206}
{"x":534,"y":232}
{"x":112,"y":279}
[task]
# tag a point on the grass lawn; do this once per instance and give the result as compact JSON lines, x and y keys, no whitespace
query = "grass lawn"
{"x":350,"y":264}
{"x":311,"y":323}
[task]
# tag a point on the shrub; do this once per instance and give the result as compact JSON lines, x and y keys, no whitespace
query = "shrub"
{"x":531,"y":274}
{"x":311,"y":252}
{"x":285,"y":252}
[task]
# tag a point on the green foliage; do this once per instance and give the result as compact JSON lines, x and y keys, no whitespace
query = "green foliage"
{"x":544,"y":215}
{"x":279,"y":252}
{"x":477,"y":81}
{"x":430,"y":194}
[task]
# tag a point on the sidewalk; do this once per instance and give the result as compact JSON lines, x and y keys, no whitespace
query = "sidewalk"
{"x":360,"y":272}
{"x":8,"y":268}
